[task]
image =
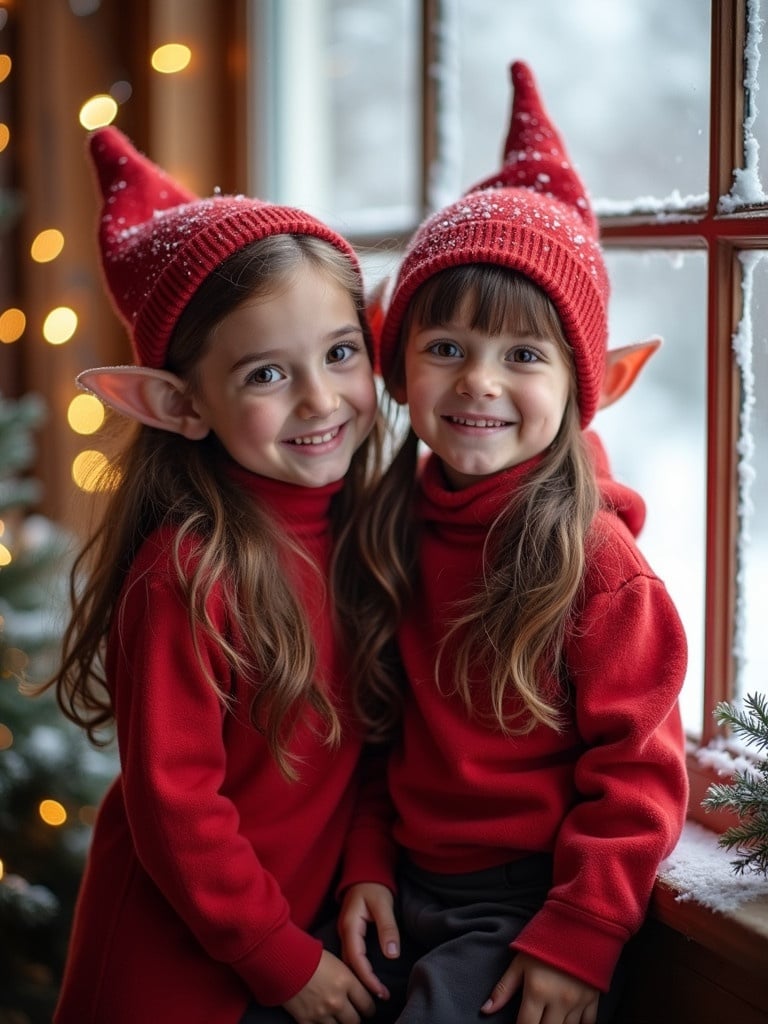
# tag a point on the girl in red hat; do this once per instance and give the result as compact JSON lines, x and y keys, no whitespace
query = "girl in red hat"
{"x":538,"y":778}
{"x":203,"y":629}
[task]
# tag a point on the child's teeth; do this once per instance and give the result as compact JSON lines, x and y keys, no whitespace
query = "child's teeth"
{"x":317,"y":438}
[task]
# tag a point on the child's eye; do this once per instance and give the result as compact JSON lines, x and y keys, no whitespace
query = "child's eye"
{"x":444,"y":349}
{"x":265,"y":375}
{"x":524,"y":355}
{"x":341,"y":352}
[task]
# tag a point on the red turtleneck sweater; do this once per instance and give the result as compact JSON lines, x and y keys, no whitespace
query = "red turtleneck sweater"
{"x":606,"y":796}
{"x":206,"y":865}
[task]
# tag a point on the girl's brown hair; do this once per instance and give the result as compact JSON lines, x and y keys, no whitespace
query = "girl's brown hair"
{"x":514,"y":625}
{"x":164,"y":479}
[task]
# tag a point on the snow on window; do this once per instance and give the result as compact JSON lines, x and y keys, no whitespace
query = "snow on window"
{"x":747,"y":188}
{"x":700,"y":871}
{"x":743,"y":350}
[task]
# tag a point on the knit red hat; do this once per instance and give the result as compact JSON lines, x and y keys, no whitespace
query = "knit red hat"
{"x":532,"y":216}
{"x":159,"y":241}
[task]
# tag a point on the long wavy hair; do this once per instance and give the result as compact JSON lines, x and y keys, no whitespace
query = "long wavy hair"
{"x":165,"y":479}
{"x":513,"y":626}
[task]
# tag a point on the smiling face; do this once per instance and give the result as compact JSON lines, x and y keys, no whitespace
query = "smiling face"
{"x":286,"y":382}
{"x":484,"y":394}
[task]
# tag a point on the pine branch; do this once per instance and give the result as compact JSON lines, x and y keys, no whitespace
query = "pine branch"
{"x":749,"y":722}
{"x":747,"y":793}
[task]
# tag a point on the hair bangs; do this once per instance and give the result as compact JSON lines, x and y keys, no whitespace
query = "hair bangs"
{"x":489,"y":298}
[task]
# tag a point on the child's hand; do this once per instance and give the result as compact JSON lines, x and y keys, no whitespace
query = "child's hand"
{"x":332,"y":994}
{"x":365,"y":903}
{"x":548,"y":994}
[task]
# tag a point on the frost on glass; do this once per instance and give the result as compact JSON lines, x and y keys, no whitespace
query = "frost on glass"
{"x":627,"y":83}
{"x":751,"y":352}
{"x":747,"y":187}
{"x":656,"y":434}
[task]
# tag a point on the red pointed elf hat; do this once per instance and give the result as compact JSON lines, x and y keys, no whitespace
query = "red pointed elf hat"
{"x":159,"y":241}
{"x":532,"y":216}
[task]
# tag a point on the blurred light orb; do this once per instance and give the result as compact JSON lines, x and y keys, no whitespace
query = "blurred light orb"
{"x":47,"y":245}
{"x":85,"y":414}
{"x":171,"y":58}
{"x":13,"y":323}
{"x":5,"y":136}
{"x":52,"y":812}
{"x":5,"y":66}
{"x":92,"y":472}
{"x":60,"y":325}
{"x":98,"y":111}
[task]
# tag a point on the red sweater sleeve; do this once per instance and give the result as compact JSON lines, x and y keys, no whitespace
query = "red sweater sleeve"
{"x":370,"y":853}
{"x":185,"y":828}
{"x":627,"y":659}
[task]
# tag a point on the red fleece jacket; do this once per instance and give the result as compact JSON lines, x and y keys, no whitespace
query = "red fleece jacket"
{"x":606,"y":796}
{"x":206,"y":865}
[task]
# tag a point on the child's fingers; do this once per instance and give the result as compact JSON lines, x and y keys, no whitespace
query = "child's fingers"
{"x":386,"y":927}
{"x":353,"y":951}
{"x":503,"y":990}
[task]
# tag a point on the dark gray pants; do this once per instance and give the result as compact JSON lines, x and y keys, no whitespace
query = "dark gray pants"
{"x":456,"y":932}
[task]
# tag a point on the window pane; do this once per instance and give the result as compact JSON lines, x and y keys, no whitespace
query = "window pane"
{"x":754,"y":452}
{"x":656,"y":434}
{"x":627,"y":83}
{"x":375,"y":114}
{"x":335,"y":110}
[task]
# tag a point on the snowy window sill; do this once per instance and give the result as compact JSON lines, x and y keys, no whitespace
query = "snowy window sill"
{"x":699,"y":895}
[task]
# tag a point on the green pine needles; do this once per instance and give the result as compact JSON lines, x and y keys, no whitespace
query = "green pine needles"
{"x":747,"y":794}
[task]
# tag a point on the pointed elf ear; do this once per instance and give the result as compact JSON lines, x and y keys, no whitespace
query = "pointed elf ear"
{"x":622,"y":365}
{"x":155,"y":397}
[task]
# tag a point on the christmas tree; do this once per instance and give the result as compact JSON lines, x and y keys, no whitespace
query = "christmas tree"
{"x":747,"y":794}
{"x":50,"y":778}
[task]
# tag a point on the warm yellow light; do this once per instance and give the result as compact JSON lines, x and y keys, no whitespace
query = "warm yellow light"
{"x":47,"y":245}
{"x":2,"y":869}
{"x":5,"y":556}
{"x":85,"y":414}
{"x":171,"y":58}
{"x":98,"y":111}
{"x":5,"y":136}
{"x":6,"y":737}
{"x":52,"y":812}
{"x":5,"y":66}
{"x":2,"y":531}
{"x":60,"y":325}
{"x":91,"y":471}
{"x":12,"y":325}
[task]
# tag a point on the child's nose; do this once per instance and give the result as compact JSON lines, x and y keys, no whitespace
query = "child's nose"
{"x":479,"y":379}
{"x":319,"y":398}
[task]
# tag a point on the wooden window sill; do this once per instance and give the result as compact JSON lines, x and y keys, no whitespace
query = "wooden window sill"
{"x":740,"y":935}
{"x":701,"y":956}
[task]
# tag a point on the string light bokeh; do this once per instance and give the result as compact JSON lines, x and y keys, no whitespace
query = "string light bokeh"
{"x":85,"y":415}
{"x":60,"y":325}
